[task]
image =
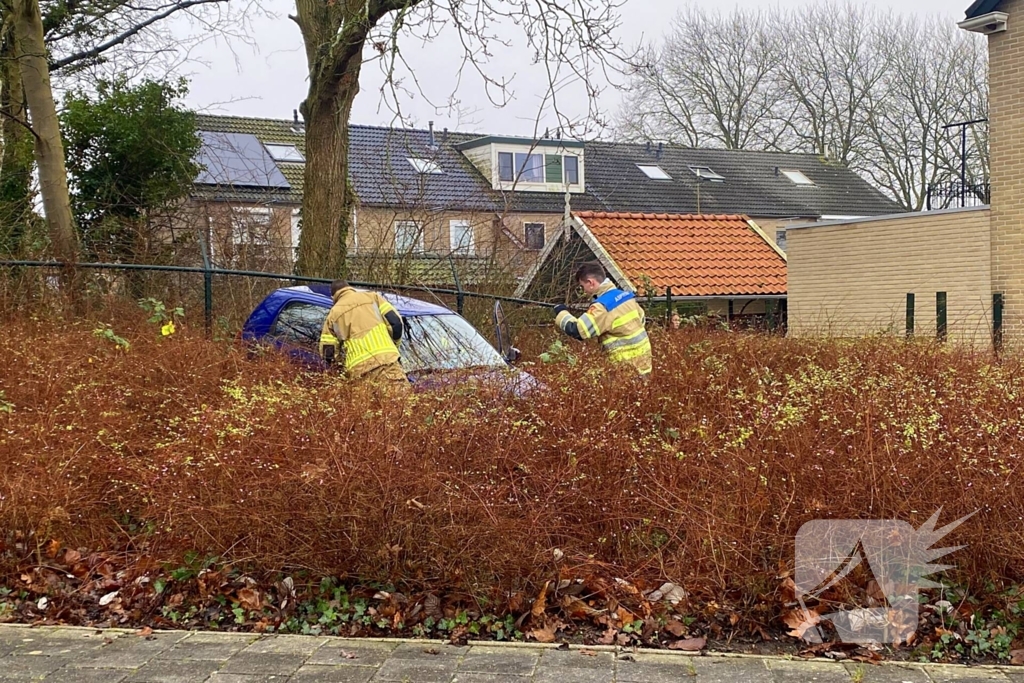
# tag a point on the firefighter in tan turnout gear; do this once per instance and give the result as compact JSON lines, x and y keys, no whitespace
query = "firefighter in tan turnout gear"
{"x":363,"y":328}
{"x":615,"y":318}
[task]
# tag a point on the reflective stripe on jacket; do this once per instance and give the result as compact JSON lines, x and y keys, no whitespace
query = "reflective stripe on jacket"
{"x":617,"y":321}
{"x":357,"y":324}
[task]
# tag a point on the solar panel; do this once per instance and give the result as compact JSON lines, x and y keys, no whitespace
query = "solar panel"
{"x":237,"y":159}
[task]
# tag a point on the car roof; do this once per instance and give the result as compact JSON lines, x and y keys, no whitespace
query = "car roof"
{"x":405,"y":306}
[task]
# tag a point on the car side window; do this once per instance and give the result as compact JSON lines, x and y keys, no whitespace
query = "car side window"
{"x":299,"y":323}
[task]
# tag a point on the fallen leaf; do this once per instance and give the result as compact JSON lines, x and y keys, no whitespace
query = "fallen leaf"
{"x":541,"y":603}
{"x":108,"y":598}
{"x":348,"y":655}
{"x":249,"y":598}
{"x":608,"y":637}
{"x":1017,"y":657}
{"x":144,"y":632}
{"x":563,"y":646}
{"x":544,"y":634}
{"x":676,"y":628}
{"x":800,"y":621}
{"x":72,"y":557}
{"x":52,"y":548}
{"x":689,"y":644}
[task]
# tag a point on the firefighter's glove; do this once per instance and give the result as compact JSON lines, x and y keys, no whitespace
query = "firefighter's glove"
{"x":559,"y":308}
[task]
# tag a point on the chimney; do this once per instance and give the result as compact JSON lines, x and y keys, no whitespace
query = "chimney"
{"x":647,"y":150}
{"x":297,"y":126}
{"x":660,"y":145}
{"x":433,"y":143}
{"x":546,"y":132}
{"x":444,"y":137}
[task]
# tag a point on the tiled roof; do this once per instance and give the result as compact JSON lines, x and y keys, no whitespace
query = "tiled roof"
{"x":422,"y":270}
{"x":382,"y":176}
{"x":981,"y":7}
{"x":709,"y":255}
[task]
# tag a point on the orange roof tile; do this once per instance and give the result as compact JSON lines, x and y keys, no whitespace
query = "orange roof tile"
{"x":696,"y":255}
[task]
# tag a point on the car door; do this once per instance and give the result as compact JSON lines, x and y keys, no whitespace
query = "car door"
{"x":296,"y":331}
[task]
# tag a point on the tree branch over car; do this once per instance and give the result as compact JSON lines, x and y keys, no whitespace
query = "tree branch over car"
{"x":340,"y":36}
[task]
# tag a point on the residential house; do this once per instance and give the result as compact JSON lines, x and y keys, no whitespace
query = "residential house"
{"x":726,"y":263}
{"x":433,"y":203}
{"x":956,"y":273}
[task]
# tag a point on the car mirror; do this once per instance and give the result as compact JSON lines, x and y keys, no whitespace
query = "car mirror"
{"x":513,"y":354}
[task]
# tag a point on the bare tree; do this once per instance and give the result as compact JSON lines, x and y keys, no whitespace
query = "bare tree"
{"x":712,"y":82}
{"x":863,"y":88}
{"x":573,"y":39}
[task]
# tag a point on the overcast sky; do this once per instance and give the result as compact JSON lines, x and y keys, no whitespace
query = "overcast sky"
{"x":271,"y":81}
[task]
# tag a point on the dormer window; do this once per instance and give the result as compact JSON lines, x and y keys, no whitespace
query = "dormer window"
{"x":289,"y":153}
{"x":528,"y":165}
{"x":424,"y":166}
{"x":572,"y":170}
{"x":654,"y":172}
{"x":705,"y":173}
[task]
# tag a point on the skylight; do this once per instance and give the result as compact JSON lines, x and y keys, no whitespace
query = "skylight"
{"x":424,"y":165}
{"x":705,"y":173}
{"x":654,"y":172}
{"x":797,"y":177}
{"x":285,"y":153}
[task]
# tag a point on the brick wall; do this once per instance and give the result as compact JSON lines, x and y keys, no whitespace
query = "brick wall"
{"x":1006,"y":125}
{"x":852,"y":278}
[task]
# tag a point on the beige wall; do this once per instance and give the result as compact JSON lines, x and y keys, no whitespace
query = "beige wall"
{"x":242,"y":235}
{"x":1006,"y":126}
{"x":770,"y":225}
{"x":852,"y":278}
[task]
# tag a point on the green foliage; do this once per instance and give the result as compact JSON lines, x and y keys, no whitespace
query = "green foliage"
{"x":5,"y":405}
{"x":130,"y":150}
{"x":160,"y":315}
{"x":105,"y":331}
{"x":558,"y":352}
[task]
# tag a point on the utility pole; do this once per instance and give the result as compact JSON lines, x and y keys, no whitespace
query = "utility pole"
{"x":962,"y":125}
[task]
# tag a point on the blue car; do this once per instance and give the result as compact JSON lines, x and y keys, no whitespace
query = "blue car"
{"x":439,"y":346}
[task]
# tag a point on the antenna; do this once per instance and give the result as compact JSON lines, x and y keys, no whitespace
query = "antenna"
{"x":546,"y":131}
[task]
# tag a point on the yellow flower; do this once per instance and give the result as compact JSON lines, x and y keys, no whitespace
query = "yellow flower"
{"x":167,"y":329}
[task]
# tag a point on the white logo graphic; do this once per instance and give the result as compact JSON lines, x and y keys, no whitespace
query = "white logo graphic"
{"x":896,"y":555}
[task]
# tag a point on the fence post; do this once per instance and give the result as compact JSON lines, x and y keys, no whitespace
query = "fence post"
{"x":940,"y":315}
{"x":997,"y":321}
{"x":460,"y":300}
{"x":769,"y":309}
{"x":668,"y":307}
{"x":910,"y":314}
{"x":207,"y":286}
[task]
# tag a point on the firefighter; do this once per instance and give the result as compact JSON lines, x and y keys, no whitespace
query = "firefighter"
{"x":615,"y":318}
{"x":364,"y":328}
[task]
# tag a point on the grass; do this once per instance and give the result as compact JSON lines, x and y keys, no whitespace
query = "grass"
{"x":176,"y":449}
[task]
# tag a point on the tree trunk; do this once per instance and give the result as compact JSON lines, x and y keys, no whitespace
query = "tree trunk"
{"x":53,"y":179}
{"x":16,"y":155}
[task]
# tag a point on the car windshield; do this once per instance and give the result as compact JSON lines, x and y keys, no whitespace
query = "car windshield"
{"x":431,"y":342}
{"x":445,"y":342}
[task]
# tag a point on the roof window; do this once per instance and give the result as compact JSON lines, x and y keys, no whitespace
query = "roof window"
{"x":424,"y":165}
{"x":705,"y":173}
{"x":654,"y":172}
{"x":797,"y":177}
{"x":285,"y":153}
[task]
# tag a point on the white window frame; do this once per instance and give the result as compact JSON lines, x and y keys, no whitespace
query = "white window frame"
{"x":244,"y":218}
{"x":707,"y":173}
{"x":295,"y":217}
{"x":543,"y":233}
{"x":466,"y":245}
{"x":565,"y":169}
{"x":402,"y":247}
{"x":519,"y":169}
{"x":287,"y":153}
{"x":654,"y":172}
{"x":425,"y":166}
{"x":798,"y":177}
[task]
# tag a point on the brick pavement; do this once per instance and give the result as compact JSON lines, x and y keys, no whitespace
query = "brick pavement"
{"x":79,"y":655}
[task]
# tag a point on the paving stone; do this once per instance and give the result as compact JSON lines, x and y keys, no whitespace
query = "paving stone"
{"x":417,"y":670}
{"x":352,"y":653}
{"x":207,"y":646}
{"x":576,"y":659}
{"x":962,"y":674}
{"x":333,"y":674}
{"x":246,"y":662}
{"x":499,"y":660}
{"x":730,"y":670}
{"x":654,"y":669}
{"x":556,"y":674}
{"x":462,"y":677}
{"x":808,"y":672}
{"x":70,"y":674}
{"x":887,"y":673}
{"x":287,"y":645}
{"x":221,"y":677}
{"x":428,"y":651}
{"x":170,"y":671}
{"x":130,"y":651}
{"x":63,"y":646}
{"x":28,"y":668}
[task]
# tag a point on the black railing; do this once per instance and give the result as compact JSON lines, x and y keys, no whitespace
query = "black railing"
{"x":954,"y":194}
